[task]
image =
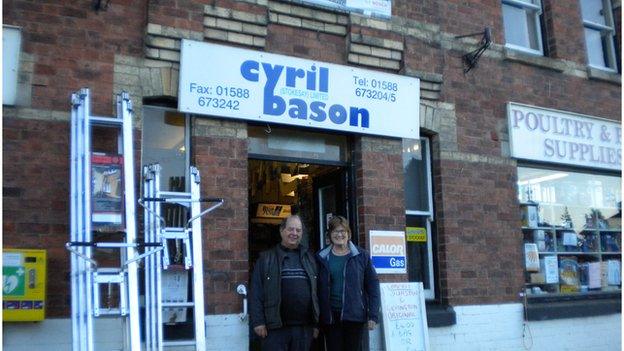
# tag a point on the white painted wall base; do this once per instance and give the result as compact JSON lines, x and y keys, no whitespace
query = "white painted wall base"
{"x":227,"y":332}
{"x":55,"y":335}
{"x":500,"y":328}
{"x":223,"y":332}
{"x":478,"y":328}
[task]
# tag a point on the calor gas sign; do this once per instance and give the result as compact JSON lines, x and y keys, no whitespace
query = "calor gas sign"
{"x":388,"y":251}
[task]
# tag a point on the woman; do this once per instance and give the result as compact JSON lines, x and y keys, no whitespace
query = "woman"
{"x":348,"y":289}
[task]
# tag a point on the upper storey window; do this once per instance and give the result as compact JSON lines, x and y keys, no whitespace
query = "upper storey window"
{"x":522,"y":25}
{"x":599,"y":32}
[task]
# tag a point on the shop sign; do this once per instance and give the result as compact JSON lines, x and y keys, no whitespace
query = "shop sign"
{"x":273,"y":211}
{"x":388,"y":251}
{"x":367,"y":7}
{"x":416,"y":234}
{"x":230,"y":82}
{"x":546,"y":135}
{"x":404,"y":316}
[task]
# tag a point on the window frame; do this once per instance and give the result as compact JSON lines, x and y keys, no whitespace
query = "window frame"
{"x":538,"y":11}
{"x":429,"y":218}
{"x":607,"y":29}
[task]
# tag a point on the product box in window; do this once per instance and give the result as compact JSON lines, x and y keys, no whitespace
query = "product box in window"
{"x":549,"y":266}
{"x":107,"y":193}
{"x":529,"y":214}
{"x":531,"y":257}
{"x":568,"y":274}
{"x":610,"y":275}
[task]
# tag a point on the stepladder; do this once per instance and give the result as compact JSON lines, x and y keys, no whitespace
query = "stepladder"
{"x":103,"y":235}
{"x":174,"y":295}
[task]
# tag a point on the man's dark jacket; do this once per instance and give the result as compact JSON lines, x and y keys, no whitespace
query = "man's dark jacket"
{"x":361,"y":297}
{"x":266,"y":287}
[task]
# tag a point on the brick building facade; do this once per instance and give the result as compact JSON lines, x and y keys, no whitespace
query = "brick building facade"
{"x":477,"y":242}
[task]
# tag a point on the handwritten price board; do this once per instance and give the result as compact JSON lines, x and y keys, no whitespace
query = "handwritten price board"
{"x":404,"y":317}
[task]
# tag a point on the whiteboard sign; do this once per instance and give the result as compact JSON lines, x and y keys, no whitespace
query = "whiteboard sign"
{"x":404,"y":317}
{"x":231,"y":82}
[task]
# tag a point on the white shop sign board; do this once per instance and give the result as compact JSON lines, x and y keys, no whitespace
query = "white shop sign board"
{"x":237,"y":83}
{"x":553,"y":136}
{"x":367,"y":7}
{"x":404,"y":317}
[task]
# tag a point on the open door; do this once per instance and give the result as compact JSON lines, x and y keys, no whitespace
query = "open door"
{"x":330,"y":197}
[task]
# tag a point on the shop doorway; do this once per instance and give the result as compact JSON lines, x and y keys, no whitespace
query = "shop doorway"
{"x":277,"y":189}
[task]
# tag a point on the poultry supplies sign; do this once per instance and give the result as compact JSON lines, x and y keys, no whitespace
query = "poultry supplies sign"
{"x":568,"y":138}
{"x":229,"y":82}
{"x":387,"y":250}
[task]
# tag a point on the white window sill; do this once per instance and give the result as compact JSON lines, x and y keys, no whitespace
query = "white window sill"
{"x":606,"y":75}
{"x":533,"y":59}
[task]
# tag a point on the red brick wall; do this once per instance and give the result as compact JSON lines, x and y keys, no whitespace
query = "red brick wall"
{"x":480,"y":258}
{"x":35,"y":200}
{"x":379,"y":189}
{"x":426,"y":10}
{"x":564,"y":34}
{"x":74,"y":47}
{"x":222,"y":163}
{"x":462,"y":17}
{"x":189,"y":14}
{"x":306,"y":43}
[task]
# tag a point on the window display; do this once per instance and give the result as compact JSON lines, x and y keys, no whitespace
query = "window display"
{"x":572,"y":222}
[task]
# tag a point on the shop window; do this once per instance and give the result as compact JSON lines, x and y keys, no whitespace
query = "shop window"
{"x":572,"y":230}
{"x":166,"y":142}
{"x":11,"y":43}
{"x":419,"y":217}
{"x":521,"y":19}
{"x":599,"y":33}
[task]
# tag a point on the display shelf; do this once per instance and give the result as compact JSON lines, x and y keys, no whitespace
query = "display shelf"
{"x":585,"y":245}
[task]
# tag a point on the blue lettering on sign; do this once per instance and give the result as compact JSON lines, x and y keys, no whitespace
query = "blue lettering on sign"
{"x":389,"y":261}
{"x":318,"y":111}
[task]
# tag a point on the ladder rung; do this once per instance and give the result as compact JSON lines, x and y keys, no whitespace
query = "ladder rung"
{"x":106,"y":121}
{"x":108,"y":270}
{"x":104,"y":312}
{"x":179,"y":343}
{"x":104,"y":245}
{"x":174,"y":234}
{"x":178,"y":304}
{"x":174,"y":194}
{"x":172,"y":230}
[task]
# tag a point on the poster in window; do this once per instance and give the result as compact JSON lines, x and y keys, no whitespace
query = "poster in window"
{"x":107,"y":190}
{"x":569,"y":274}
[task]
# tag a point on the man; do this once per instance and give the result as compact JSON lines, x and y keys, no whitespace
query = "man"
{"x":284,"y":307}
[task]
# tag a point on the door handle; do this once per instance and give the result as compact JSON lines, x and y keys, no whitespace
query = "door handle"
{"x":241,"y":289}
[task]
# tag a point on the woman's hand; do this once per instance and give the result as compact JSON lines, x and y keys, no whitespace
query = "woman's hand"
{"x":261,"y":331}
{"x":371,"y":325}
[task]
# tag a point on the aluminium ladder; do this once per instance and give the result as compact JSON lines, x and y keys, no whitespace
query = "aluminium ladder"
{"x":87,"y":279}
{"x":186,"y":237}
